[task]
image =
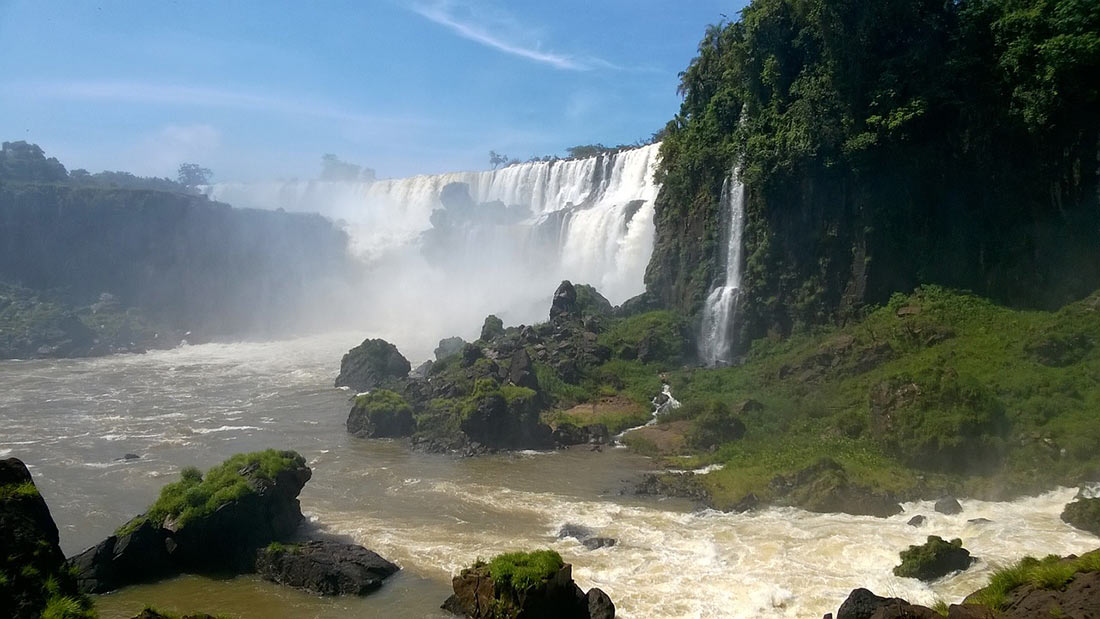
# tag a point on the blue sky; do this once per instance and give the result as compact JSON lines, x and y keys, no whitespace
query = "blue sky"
{"x":258,"y":90}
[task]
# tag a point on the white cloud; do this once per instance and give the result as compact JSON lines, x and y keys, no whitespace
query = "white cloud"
{"x":477,"y":25}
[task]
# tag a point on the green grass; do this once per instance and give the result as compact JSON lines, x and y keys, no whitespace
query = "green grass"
{"x":992,"y":419}
{"x":1051,"y":572}
{"x":18,"y":491}
{"x":661,"y":332}
{"x":68,"y":607}
{"x":382,"y":401}
{"x":196,"y":495}
{"x":524,"y":570}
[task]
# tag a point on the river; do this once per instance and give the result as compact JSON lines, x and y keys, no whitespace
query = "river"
{"x":71,"y":421}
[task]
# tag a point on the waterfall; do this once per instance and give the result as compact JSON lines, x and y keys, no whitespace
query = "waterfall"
{"x":533,"y":224}
{"x":720,"y":310}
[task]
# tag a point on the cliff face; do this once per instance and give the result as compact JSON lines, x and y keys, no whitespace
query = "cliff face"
{"x":187,"y":262}
{"x":960,"y":149}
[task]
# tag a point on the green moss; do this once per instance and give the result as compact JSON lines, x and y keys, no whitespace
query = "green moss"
{"x":18,"y":491}
{"x":524,"y":570}
{"x":382,"y":400}
{"x":928,"y":560}
{"x":196,"y":495}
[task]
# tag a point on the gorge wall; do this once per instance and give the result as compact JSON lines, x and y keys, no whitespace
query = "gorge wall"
{"x":885,"y":145}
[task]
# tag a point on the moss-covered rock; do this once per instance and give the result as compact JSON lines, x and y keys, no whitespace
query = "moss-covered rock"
{"x":372,"y":364}
{"x":492,"y":328}
{"x":714,"y":423}
{"x":33,"y":578}
{"x":380,"y":414}
{"x":202,"y":523}
{"x":534,"y":584}
{"x":933,"y":559}
{"x":324,"y":567}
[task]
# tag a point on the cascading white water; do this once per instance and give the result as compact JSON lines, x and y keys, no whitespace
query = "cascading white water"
{"x":605,"y":237}
{"x":720,"y":310}
{"x":586,"y":220}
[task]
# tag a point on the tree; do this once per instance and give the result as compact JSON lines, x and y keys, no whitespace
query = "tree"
{"x":496,"y":159}
{"x":192,"y":175}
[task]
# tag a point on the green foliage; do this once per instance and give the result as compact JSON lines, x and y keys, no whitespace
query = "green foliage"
{"x":68,"y":607}
{"x":196,"y":496}
{"x":382,"y":401}
{"x":563,"y":393}
{"x":18,"y":491}
{"x":524,"y":570}
{"x":714,"y":423}
{"x":658,"y":336}
{"x":1051,"y":572}
{"x":838,"y":114}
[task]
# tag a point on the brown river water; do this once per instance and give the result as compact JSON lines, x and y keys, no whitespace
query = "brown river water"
{"x":432,"y":514}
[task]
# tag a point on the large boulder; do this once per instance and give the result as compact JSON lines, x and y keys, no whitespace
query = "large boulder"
{"x":29,"y":553}
{"x":862,"y":604}
{"x":824,"y":487}
{"x":492,"y":328}
{"x":324,"y":568}
{"x":507,"y":418}
{"x":536,"y":585}
{"x":448,"y":347}
{"x":381,"y":414}
{"x":933,"y":559}
{"x":206,"y":524}
{"x":564,"y":305}
{"x":948,"y":505}
{"x":374,"y":363}
{"x":1083,"y":514}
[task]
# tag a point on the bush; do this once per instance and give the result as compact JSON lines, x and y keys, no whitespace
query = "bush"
{"x":524,"y":570}
{"x":659,"y":336}
{"x":933,"y":559}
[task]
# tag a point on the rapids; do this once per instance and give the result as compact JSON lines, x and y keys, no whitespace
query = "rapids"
{"x":196,"y":405}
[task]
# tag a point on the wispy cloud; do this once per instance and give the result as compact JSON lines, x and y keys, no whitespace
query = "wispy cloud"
{"x":127,"y":91}
{"x":477,"y":27}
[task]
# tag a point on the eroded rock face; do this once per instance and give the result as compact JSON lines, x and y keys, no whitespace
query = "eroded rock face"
{"x":1083,"y":514}
{"x":224,"y":540}
{"x":476,"y":596}
{"x":824,"y":487}
{"x":949,"y":506}
{"x":29,"y":543}
{"x":374,"y":363}
{"x":324,"y":568}
{"x":862,"y":604}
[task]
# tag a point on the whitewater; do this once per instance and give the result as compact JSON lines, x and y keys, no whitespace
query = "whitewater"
{"x":71,"y":421}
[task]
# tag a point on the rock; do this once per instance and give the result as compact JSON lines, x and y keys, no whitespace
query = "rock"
{"x":576,"y":531}
{"x":970,"y":611}
{"x":127,"y":457}
{"x":220,"y":539}
{"x":478,"y":596}
{"x":748,"y":406}
{"x":492,"y":328}
{"x":499,"y":423}
{"x":448,"y":347}
{"x":949,"y":506}
{"x":374,"y":363}
{"x":1078,"y":598}
{"x":824,"y":487}
{"x":1083,"y":514}
{"x":521,"y":370}
{"x":683,"y":485}
{"x":979,"y":521}
{"x":324,"y":568}
{"x":594,"y":543}
{"x":599,"y":605}
{"x":916,"y":521}
{"x":380,"y":414}
{"x":934,"y":559}
{"x":564,"y":306}
{"x":150,"y":613}
{"x":598,"y":434}
{"x":862,"y":604}
{"x":567,"y":434}
{"x":422,"y":371}
{"x":29,"y":539}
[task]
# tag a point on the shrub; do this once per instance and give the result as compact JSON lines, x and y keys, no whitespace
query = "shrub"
{"x":659,"y":336}
{"x":524,"y":570}
{"x":715,"y":424}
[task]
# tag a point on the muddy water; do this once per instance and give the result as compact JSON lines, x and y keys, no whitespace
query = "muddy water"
{"x":432,"y":514}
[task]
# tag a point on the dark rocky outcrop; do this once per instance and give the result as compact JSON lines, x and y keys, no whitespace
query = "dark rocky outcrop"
{"x":324,"y":568}
{"x":564,"y":305}
{"x":374,"y":363}
{"x":824,"y":487}
{"x":492,"y":328}
{"x":682,"y":485}
{"x":478,"y":596}
{"x":933,"y":559}
{"x":30,"y":554}
{"x":862,"y":604}
{"x":152,"y":613}
{"x":380,"y":414}
{"x":949,"y":506}
{"x":587,"y":537}
{"x":448,"y":347}
{"x":212,"y":538}
{"x":566,"y":434}
{"x":916,"y":521}
{"x":1084,"y":514}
